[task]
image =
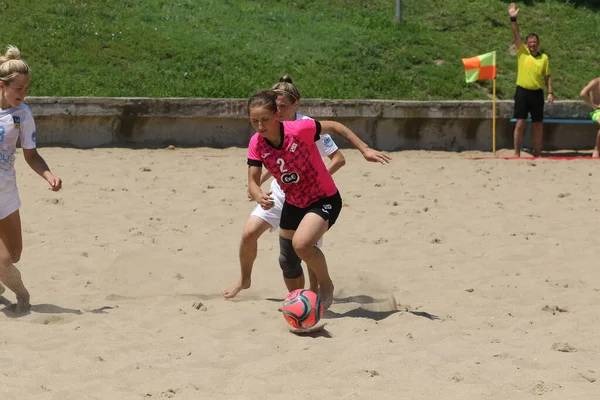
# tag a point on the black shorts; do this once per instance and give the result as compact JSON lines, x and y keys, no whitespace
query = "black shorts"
{"x":529,"y":101}
{"x":327,"y":208}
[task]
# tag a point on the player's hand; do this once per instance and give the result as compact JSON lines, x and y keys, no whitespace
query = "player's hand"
{"x":266,"y":201}
{"x":55,"y":183}
{"x":513,"y":11}
{"x":376,"y":156}
{"x":550,"y":98}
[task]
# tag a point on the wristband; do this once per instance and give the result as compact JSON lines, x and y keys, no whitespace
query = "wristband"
{"x":513,"y":19}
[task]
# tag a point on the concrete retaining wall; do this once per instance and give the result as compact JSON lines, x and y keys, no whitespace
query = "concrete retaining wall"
{"x":388,"y":125}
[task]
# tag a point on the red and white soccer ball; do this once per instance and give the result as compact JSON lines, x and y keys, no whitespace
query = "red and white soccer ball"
{"x":302,"y":309}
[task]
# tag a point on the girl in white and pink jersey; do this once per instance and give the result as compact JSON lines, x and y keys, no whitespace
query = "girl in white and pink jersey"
{"x":16,"y":123}
{"x":260,"y":220}
{"x":312,"y":202}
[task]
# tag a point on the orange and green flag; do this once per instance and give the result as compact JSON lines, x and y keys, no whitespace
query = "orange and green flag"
{"x":480,"y":68}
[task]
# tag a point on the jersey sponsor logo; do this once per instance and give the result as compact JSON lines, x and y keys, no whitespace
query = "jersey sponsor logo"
{"x":292,"y":177}
{"x":17,"y":121}
{"x":266,"y":155}
{"x":293,"y":148}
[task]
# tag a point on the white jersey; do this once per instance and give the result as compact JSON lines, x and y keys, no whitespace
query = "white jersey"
{"x":16,"y":123}
{"x":326,"y":147}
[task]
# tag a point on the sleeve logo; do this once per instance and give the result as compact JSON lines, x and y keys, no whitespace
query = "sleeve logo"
{"x":33,"y":136}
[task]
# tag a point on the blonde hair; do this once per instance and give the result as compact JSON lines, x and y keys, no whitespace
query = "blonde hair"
{"x":285,"y":87}
{"x":11,"y":64}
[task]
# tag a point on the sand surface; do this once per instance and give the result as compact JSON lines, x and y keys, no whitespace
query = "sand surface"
{"x":455,"y":279}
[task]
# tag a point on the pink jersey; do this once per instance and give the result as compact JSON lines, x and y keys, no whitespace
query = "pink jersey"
{"x":296,"y":164}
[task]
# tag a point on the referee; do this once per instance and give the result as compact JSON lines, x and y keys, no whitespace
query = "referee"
{"x":533,"y":73}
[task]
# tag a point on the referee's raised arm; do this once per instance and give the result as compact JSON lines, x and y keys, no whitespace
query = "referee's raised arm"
{"x":513,"y":11}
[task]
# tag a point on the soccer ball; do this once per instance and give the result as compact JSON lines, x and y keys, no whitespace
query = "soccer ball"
{"x":302,"y":309}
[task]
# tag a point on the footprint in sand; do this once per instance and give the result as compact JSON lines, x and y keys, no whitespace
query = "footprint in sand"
{"x":51,"y":320}
{"x":542,"y":387}
{"x":555,"y":309}
{"x":55,"y":201}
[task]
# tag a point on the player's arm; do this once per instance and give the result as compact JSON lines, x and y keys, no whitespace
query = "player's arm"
{"x":586,"y":92}
{"x":337,"y":161}
{"x":513,"y":11}
{"x":38,"y":164}
{"x":341,"y":130}
{"x":265,"y":177}
{"x":254,"y":189}
{"x":548,"y":80}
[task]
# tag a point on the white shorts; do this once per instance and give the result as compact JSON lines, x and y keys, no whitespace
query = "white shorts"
{"x":9,"y":203}
{"x":273,"y":215}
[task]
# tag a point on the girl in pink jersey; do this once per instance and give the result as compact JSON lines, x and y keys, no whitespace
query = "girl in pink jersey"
{"x":312,"y":202}
{"x":16,"y":122}
{"x":288,"y":101}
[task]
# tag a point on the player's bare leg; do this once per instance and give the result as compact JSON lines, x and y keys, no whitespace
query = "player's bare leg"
{"x":537,"y":131}
{"x":518,"y":136}
{"x":11,"y":277}
{"x":293,"y":284}
{"x":313,"y":281}
{"x":253,"y":230}
{"x":11,"y":245}
{"x":596,"y":152}
{"x":304,"y":238}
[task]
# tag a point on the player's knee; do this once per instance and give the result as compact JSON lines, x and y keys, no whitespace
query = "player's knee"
{"x":303,"y":248}
{"x":5,"y":261}
{"x":289,"y":261}
{"x":250,"y":235}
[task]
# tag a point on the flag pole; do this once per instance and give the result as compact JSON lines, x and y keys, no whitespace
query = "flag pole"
{"x":494,"y":116}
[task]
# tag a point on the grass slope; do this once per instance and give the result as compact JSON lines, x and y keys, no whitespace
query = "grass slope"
{"x":333,"y":48}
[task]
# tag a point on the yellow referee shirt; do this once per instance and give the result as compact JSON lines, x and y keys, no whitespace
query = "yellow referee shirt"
{"x":531,"y":70}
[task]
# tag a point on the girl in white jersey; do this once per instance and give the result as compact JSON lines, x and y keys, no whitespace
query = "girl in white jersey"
{"x":312,"y":202}
{"x":16,"y":123}
{"x":260,"y":220}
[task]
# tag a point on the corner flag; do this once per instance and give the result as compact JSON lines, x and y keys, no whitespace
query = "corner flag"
{"x":481,"y":67}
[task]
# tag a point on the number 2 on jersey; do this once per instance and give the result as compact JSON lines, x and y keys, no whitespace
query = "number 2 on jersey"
{"x":281,"y":163}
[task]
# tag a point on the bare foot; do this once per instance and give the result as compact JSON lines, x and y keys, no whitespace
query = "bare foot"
{"x":231,"y":293}
{"x":326,"y":294}
{"x":23,"y":305}
{"x":595,"y":154}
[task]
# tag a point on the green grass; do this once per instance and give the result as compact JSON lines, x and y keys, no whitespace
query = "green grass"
{"x":345,"y":49}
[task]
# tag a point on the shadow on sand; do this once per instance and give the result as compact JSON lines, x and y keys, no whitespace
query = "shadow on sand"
{"x":9,"y":308}
{"x":369,"y":307}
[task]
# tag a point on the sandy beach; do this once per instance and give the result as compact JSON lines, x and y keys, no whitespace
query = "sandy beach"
{"x":455,"y":279}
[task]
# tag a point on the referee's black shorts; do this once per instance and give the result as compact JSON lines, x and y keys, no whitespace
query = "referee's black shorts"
{"x":529,"y":102}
